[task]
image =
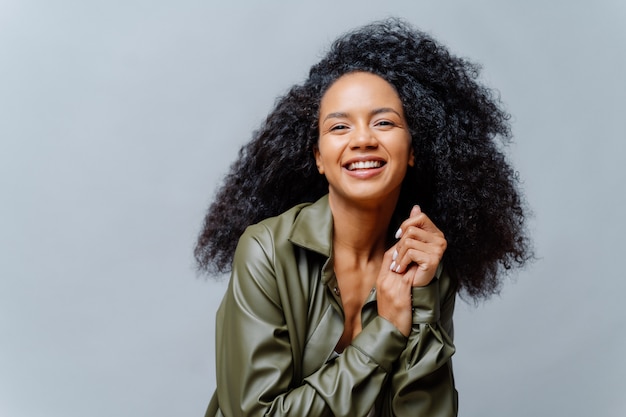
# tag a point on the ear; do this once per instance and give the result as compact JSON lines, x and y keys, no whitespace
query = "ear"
{"x":411,"y":157}
{"x":318,"y":160}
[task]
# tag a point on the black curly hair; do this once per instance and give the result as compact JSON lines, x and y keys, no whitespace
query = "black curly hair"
{"x":461,"y":178}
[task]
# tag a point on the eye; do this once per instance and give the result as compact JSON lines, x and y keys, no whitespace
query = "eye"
{"x":338,"y":127}
{"x":384,"y":123}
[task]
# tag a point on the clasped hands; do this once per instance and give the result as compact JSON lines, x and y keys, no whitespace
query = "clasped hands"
{"x":411,"y":262}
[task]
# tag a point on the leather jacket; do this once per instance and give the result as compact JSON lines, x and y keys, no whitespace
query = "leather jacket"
{"x":281,"y":318}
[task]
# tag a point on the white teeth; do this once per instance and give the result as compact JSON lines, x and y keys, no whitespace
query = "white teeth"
{"x":364,"y":165}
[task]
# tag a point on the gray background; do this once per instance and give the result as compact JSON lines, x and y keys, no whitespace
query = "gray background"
{"x":118,"y":119}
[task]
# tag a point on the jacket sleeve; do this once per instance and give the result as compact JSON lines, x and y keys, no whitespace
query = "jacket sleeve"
{"x":254,"y":359}
{"x":422,"y":383}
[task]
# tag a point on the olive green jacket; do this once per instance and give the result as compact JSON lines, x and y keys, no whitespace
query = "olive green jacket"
{"x":281,"y":318}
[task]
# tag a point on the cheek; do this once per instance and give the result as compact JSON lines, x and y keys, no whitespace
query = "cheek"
{"x":328,"y":150}
{"x":405,"y":150}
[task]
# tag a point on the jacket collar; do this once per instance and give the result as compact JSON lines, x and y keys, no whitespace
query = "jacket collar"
{"x":313,"y":227}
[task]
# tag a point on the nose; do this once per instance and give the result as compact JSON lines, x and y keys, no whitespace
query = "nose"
{"x":363,"y":138}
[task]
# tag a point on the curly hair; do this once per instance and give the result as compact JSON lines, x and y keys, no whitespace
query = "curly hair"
{"x":461,"y":178}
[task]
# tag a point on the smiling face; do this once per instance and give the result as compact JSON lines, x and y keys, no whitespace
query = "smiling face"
{"x":364,"y":145}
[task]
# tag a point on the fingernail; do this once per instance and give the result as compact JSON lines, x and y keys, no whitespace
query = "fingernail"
{"x":395,"y":255}
{"x":393,"y":266}
{"x":398,"y":269}
{"x":398,"y":233}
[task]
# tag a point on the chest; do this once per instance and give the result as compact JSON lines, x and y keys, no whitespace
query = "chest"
{"x":333,"y":321}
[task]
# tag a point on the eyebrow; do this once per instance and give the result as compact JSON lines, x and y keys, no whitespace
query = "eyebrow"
{"x":337,"y":115}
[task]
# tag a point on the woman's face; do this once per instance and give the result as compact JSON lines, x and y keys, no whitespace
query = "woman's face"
{"x":364,"y":145}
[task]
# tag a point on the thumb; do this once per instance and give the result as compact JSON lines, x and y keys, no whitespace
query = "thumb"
{"x":415,"y":210}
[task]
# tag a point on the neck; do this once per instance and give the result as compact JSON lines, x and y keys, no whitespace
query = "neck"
{"x":360,"y":231}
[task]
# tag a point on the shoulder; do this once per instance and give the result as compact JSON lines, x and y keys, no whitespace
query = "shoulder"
{"x":262,"y":240}
{"x":307,"y":225}
{"x":265,"y":257}
{"x":273,"y":229}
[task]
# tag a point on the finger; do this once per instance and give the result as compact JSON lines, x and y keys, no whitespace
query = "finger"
{"x":394,"y":290}
{"x":423,"y":260}
{"x":413,"y":232}
{"x":415,"y":211}
{"x":420,"y":240}
{"x":424,"y":254}
{"x":419,"y":220}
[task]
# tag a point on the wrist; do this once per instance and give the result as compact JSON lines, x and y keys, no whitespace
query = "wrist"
{"x":425,"y":303}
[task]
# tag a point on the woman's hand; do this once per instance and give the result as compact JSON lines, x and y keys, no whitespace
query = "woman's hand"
{"x":421,"y":245}
{"x":394,"y":294}
{"x":412,"y":262}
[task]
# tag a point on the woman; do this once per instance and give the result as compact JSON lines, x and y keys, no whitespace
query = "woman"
{"x":372,"y":194}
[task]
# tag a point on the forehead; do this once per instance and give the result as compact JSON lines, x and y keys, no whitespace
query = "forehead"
{"x":360,"y":89}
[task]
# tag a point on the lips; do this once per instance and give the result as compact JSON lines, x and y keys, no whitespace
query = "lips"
{"x":370,"y":164}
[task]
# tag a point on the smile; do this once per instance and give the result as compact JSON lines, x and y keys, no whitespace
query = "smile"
{"x":364,"y":165}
